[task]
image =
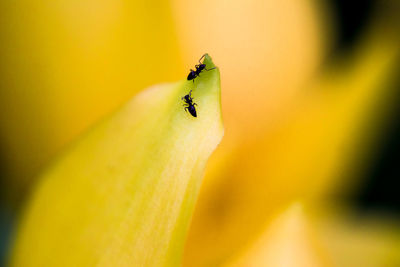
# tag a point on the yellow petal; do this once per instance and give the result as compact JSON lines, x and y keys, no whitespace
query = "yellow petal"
{"x":358,"y":240}
{"x":124,"y":194}
{"x":288,"y":241}
{"x":68,"y":63}
{"x":323,"y":237}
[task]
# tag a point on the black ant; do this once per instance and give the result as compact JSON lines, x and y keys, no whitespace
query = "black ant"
{"x":189,"y":105}
{"x":199,"y":68}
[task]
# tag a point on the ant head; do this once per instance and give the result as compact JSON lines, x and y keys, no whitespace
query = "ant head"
{"x":187,"y":97}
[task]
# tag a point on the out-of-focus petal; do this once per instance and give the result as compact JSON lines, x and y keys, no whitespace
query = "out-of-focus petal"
{"x":67,"y":63}
{"x":289,"y":240}
{"x":323,"y":238}
{"x":305,"y":153}
{"x":351,"y":239}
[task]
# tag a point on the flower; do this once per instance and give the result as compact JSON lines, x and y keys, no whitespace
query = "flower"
{"x":296,"y":121}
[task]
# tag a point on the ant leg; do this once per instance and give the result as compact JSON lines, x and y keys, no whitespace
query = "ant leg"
{"x":210,"y":69}
{"x":201,"y":58}
{"x":194,"y":104}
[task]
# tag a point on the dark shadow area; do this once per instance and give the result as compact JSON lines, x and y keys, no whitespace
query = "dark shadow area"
{"x":6,"y":224}
{"x":380,"y":187}
{"x":351,"y":19}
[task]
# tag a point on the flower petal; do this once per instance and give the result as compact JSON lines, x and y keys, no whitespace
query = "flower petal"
{"x":124,"y":194}
{"x":288,"y":240}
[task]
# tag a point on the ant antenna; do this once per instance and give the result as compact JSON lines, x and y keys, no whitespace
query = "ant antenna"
{"x":202,"y":57}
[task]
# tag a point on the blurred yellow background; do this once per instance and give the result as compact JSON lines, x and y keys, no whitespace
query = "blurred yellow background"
{"x":303,"y":110}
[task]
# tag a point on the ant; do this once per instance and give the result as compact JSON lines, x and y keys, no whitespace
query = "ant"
{"x":189,"y":105}
{"x":199,"y":68}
